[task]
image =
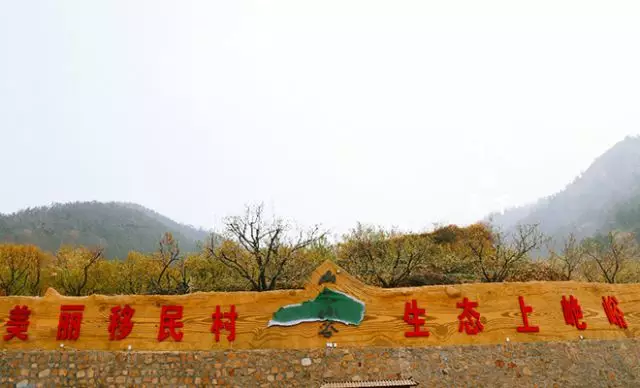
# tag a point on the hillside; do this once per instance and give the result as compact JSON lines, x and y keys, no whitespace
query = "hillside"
{"x":119,"y":227}
{"x":606,"y":196}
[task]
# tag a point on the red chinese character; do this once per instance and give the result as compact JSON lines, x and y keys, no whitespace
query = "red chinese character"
{"x":170,"y":317}
{"x":614,"y":314}
{"x":412,"y":316}
{"x":18,"y":323}
{"x":469,"y":318}
{"x":120,"y":325}
{"x":525,"y":310}
{"x":69,"y":322}
{"x":230,"y":325}
{"x":572,"y":312}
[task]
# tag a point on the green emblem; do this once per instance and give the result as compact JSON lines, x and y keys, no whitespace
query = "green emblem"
{"x":329,"y":305}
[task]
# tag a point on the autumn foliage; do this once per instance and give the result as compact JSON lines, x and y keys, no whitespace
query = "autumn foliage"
{"x":21,"y":269}
{"x":259,"y":255}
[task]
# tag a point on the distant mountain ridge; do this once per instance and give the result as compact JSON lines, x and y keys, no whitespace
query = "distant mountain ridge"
{"x":606,"y":196}
{"x":118,"y":226}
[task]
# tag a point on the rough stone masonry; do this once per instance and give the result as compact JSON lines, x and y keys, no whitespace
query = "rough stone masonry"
{"x":584,"y":363}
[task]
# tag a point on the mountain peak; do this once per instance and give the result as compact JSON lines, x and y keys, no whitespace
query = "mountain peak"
{"x":118,"y":226}
{"x":589,"y":204}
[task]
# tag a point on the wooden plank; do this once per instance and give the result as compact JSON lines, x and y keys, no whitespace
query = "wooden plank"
{"x":383,"y":324}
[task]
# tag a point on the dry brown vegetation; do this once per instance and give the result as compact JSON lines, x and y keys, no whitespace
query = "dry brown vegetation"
{"x":262,"y":254}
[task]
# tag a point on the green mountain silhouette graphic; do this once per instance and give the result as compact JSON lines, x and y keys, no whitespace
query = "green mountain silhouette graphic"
{"x":329,"y":305}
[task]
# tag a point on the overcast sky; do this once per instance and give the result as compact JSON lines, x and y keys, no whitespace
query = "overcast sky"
{"x":398,"y":113}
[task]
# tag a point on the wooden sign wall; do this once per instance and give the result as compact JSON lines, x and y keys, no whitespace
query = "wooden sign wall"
{"x":334,"y":309}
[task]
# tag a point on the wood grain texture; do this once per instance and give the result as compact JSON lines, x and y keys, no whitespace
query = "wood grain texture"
{"x":383,"y":324}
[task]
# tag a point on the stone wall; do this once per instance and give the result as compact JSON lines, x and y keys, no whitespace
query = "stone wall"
{"x":562,"y":364}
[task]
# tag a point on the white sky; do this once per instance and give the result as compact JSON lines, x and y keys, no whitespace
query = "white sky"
{"x":390,"y":112}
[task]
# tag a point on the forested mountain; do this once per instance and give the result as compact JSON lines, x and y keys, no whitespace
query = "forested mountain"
{"x":117,"y":226}
{"x":606,"y":196}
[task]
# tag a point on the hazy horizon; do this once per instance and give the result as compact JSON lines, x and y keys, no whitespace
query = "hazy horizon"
{"x":397,"y":114}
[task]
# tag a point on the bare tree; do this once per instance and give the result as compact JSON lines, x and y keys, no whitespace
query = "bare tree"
{"x":612,"y":253}
{"x":571,"y":257}
{"x":168,"y":254}
{"x":382,"y":257}
{"x":497,"y":258}
{"x":96,"y":255}
{"x":260,"y":250}
{"x":72,"y":269}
